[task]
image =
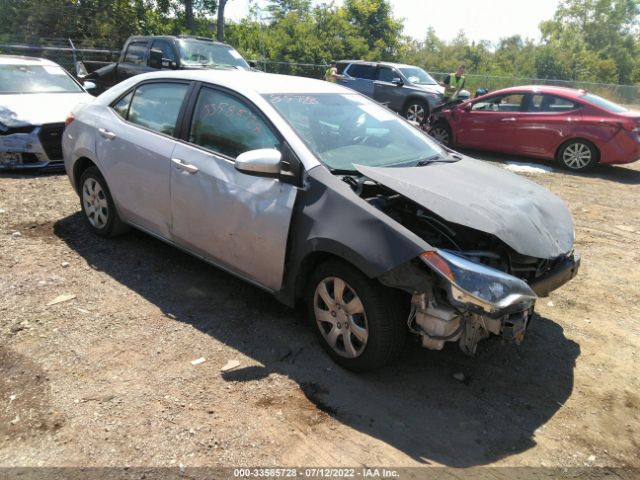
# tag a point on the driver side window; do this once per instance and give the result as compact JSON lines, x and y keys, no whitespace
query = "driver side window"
{"x":511,"y":102}
{"x":225,"y":125}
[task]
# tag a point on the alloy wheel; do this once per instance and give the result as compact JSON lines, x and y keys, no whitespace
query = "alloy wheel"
{"x":577,"y":156}
{"x":95,"y":203}
{"x":341,"y":317}
{"x":416,"y":113}
{"x":440,"y":134}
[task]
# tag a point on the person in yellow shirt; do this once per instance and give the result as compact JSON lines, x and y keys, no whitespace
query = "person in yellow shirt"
{"x":331,"y":74}
{"x":453,"y":84}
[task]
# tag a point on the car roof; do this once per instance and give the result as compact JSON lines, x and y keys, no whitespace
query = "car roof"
{"x":550,"y":89}
{"x":247,"y":83}
{"x":389,"y":64}
{"x":176,"y":37}
{"x":23,"y":60}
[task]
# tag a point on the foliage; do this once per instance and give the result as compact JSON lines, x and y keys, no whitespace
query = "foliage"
{"x":586,"y":40}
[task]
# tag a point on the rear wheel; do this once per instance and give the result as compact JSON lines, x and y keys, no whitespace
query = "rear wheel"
{"x":442,"y":133}
{"x":98,"y":206}
{"x":416,"y":111}
{"x":578,"y":155}
{"x":357,"y":320}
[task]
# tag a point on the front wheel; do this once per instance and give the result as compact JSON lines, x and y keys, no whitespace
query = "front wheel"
{"x":416,"y":111}
{"x":577,"y":155}
{"x":357,"y":320}
{"x":442,"y":133}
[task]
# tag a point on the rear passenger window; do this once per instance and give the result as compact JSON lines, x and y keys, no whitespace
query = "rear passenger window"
{"x":224,"y":124}
{"x":135,"y":52}
{"x":121,"y":107}
{"x":157,"y":105}
{"x":550,"y":104}
{"x":366,"y":72}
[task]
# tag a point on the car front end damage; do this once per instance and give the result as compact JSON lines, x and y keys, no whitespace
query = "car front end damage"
{"x":456,"y":299}
{"x":31,"y":147}
{"x":494,"y":251}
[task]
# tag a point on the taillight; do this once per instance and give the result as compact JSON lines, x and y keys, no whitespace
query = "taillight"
{"x":70,"y":118}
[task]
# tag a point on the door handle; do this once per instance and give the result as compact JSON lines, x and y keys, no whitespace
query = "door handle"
{"x":187,"y":167}
{"x":508,"y":119}
{"x":107,"y":134}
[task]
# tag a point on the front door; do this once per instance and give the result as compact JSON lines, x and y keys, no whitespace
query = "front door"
{"x":238,"y":221}
{"x":134,"y":144}
{"x":385,"y":91}
{"x":490,"y":124}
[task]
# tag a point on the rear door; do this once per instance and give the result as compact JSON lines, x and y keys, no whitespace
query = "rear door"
{"x":544,"y":124}
{"x":134,"y":145}
{"x":491,"y":123}
{"x":360,"y":77}
{"x":238,"y":221}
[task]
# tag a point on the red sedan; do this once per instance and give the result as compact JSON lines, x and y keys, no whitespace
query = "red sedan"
{"x":574,"y":127}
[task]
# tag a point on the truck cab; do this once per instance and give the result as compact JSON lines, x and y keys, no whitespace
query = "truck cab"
{"x":142,"y":54}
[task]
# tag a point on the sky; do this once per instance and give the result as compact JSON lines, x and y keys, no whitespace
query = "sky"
{"x":481,"y":20}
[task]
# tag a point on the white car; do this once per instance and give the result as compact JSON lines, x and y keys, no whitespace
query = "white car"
{"x":321,"y":196}
{"x":36,"y":96}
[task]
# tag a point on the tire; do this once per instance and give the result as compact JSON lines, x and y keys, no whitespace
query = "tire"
{"x":358,"y":321}
{"x":97,"y":204}
{"x":416,"y":111}
{"x":441,"y":132}
{"x":578,"y":155}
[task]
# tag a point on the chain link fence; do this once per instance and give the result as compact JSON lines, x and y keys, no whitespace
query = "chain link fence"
{"x":67,"y":55}
{"x":310,"y":70}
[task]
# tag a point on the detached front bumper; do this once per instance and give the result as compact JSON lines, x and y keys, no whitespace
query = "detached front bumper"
{"x":557,"y":276}
{"x":37,"y":149}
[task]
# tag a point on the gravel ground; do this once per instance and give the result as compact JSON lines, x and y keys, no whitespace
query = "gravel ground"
{"x":105,"y":376}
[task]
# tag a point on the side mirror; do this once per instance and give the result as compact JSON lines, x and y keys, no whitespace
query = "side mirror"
{"x":262,"y":162}
{"x":168,"y":63}
{"x":88,"y":85}
{"x":252,"y":63}
{"x":397,"y":81}
{"x":467,"y":107}
{"x":155,"y":59}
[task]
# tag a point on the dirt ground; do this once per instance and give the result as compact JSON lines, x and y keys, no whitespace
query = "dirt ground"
{"x":106,"y":378}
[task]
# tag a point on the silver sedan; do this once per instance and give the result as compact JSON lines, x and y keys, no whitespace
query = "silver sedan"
{"x":321,"y":196}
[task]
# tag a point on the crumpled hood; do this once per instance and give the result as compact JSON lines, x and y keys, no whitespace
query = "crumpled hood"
{"x":38,"y":108}
{"x":522,"y":214}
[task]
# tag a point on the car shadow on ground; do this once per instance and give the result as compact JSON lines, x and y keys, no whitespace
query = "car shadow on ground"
{"x":414,"y":405}
{"x":613,"y":173}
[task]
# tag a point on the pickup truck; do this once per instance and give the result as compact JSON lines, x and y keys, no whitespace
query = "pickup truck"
{"x":143,"y":54}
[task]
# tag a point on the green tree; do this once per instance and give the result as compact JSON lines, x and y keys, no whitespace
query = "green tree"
{"x":374,"y":22}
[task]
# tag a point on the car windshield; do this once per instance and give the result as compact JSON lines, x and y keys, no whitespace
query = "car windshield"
{"x":344,"y":130}
{"x":603,"y":103}
{"x":36,"y":79}
{"x":417,"y":75}
{"x":196,"y":52}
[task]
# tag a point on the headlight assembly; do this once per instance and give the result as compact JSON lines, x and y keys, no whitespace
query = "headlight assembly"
{"x":478,"y":284}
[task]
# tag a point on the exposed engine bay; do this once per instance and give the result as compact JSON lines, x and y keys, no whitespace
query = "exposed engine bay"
{"x":477,"y":246}
{"x":441,"y":313}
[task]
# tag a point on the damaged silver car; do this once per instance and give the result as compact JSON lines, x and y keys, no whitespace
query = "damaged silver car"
{"x":324,"y":198}
{"x":36,"y":95}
